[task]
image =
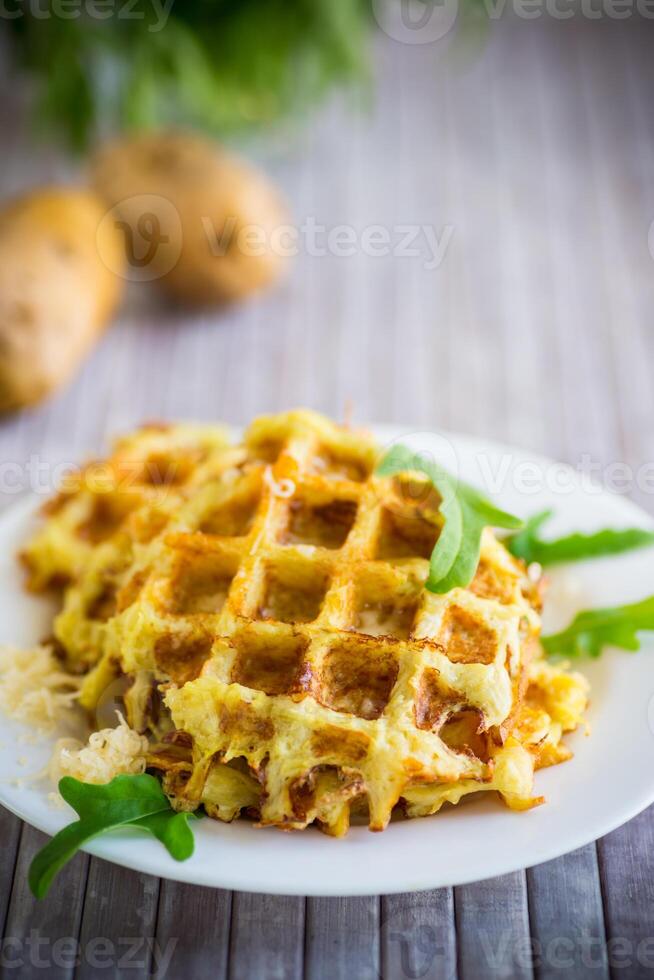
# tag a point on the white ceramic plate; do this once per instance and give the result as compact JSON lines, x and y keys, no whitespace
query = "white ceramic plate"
{"x":610,"y":779}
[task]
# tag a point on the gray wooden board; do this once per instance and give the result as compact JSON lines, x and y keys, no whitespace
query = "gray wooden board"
{"x":193,"y":931}
{"x":492,"y":929}
{"x":278,"y":924}
{"x":342,"y":939}
{"x":418,"y":937}
{"x":566,"y":915}
{"x":536,"y":150}
{"x":10,"y":831}
{"x":120,"y":908}
{"x":626,"y":864}
{"x":42,"y":938}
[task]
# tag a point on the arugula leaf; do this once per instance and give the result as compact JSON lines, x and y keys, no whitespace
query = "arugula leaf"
{"x":172,"y":830}
{"x":527,"y":544}
{"x":590,"y":631}
{"x":465,"y":512}
{"x":127,"y":800}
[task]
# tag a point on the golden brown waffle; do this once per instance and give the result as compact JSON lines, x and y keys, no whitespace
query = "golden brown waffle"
{"x":154,"y":465}
{"x":307,"y":673}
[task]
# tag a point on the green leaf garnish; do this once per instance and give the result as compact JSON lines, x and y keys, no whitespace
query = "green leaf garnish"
{"x":465,"y":513}
{"x":528,"y":545}
{"x":592,"y":630}
{"x":137,"y":801}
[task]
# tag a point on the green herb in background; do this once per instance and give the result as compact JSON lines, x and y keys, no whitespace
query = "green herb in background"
{"x":528,"y":545}
{"x":221,"y":65}
{"x":466,"y":513}
{"x":594,"y":629}
{"x":136,"y":801}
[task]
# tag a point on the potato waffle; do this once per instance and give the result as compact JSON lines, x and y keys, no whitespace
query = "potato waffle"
{"x":306,"y":672}
{"x":152,"y":465}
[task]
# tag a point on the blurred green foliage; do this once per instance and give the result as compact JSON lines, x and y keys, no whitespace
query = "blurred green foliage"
{"x":221,"y":65}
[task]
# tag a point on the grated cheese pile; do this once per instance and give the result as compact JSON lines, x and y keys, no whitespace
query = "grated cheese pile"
{"x":108,"y":753}
{"x":33,"y":687}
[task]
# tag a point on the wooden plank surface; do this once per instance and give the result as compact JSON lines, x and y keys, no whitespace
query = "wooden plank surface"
{"x":566,"y":914}
{"x":10,"y":831}
{"x":536,"y":151}
{"x":342,"y":939}
{"x":42,"y":938}
{"x":193,"y":931}
{"x":418,"y":936}
{"x":278,"y":924}
{"x":626,"y":863}
{"x":120,"y":906}
{"x":492,"y":929}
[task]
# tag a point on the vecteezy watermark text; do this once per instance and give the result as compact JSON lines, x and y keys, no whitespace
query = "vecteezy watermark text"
{"x":155,"y":12}
{"x":342,"y":241}
{"x":429,"y":21}
{"x":494,"y":474}
{"x":154,"y":238}
{"x":407,"y":21}
{"x":100,"y":953}
{"x":418,"y":946}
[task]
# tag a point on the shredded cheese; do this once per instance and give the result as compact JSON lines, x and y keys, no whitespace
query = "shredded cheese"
{"x":108,"y":753}
{"x":34,"y":688}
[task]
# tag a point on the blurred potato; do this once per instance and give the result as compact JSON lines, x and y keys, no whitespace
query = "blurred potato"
{"x":202,"y":222}
{"x":58,"y":287}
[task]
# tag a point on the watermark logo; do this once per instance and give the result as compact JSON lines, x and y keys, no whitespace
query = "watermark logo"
{"x":415,"y":946}
{"x":428,"y":452}
{"x":152,"y":235}
{"x":111,"y":703}
{"x":416,"y":21}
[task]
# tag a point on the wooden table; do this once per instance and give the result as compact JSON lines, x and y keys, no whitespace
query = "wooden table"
{"x":537,"y":152}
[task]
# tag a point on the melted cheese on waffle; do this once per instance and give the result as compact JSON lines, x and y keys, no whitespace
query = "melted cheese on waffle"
{"x":268,"y":609}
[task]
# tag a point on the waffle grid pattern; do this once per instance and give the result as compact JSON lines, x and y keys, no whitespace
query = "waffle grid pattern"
{"x":363,"y":689}
{"x":152,"y":467}
{"x":275,"y":600}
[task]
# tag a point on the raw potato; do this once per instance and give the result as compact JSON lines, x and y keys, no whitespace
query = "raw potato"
{"x":58,"y":286}
{"x":202,"y":218}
